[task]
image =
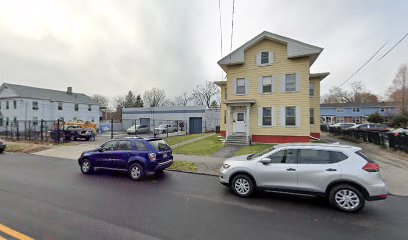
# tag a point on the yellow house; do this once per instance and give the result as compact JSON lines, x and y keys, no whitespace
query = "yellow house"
{"x":270,"y":95}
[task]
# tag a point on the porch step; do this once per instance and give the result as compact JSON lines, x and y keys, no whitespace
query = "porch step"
{"x":237,"y":140}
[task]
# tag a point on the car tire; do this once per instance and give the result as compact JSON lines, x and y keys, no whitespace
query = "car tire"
{"x":2,"y":150}
{"x":159,"y":173}
{"x":136,"y":172}
{"x":242,"y":185}
{"x":346,"y":198}
{"x":86,"y":167}
{"x":164,"y":132}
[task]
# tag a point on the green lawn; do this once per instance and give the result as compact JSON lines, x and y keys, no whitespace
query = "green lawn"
{"x":253,"y":149}
{"x":184,"y":166}
{"x":204,"y":147}
{"x":178,"y":139}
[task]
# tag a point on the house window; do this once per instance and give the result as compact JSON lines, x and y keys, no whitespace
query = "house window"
{"x":339,"y":119}
{"x":15,"y":104}
{"x":225,"y":116}
{"x":264,"y":57}
{"x":89,"y":107}
{"x":35,"y":105}
{"x":1,"y":122}
{"x":241,"y":86}
{"x":311,"y":89}
{"x":267,"y":84}
{"x":356,"y":109}
{"x":92,"y":119}
{"x":225,"y":93}
{"x":7,"y":105}
{"x":7,"y":121}
{"x":35,"y":121}
{"x":76,"y":107}
{"x":266,"y":117}
{"x":290,"y":116}
{"x":290,"y":82}
{"x":15,"y":120}
{"x":340,"y":110}
{"x":382,"y":109}
{"x":355,"y":119}
{"x":60,"y":106}
{"x":311,"y":112}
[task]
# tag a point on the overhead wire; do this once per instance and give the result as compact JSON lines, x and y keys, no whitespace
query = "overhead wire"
{"x":394,"y":46}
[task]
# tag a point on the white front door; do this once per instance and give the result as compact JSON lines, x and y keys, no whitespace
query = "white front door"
{"x":238,"y":124}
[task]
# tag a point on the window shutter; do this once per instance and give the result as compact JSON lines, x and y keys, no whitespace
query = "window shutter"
{"x":297,"y":82}
{"x":297,"y":116}
{"x":282,"y":116}
{"x":246,"y":86}
{"x":282,"y":83}
{"x":260,"y":85}
{"x":270,"y":57}
{"x":258,"y":59}
{"x":234,"y":87}
{"x":259,"y":117}
{"x":273,"y":115}
{"x":273,"y":84}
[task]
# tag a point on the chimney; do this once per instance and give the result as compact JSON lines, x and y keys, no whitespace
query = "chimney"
{"x":69,"y":90}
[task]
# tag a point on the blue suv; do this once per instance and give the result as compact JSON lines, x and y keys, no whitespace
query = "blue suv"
{"x":137,"y":156}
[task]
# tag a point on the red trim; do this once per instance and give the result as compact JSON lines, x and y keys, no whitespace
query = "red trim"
{"x":279,"y":139}
{"x":222,"y":133}
{"x":316,"y":135}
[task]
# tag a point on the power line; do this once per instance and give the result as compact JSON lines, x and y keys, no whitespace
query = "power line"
{"x":394,"y":46}
{"x":352,"y":75}
{"x":219,"y":10}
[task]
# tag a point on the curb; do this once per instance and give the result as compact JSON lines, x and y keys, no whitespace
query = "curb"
{"x":197,"y":173}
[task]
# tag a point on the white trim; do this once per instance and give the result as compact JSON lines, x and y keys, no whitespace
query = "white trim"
{"x":283,"y":116}
{"x":260,"y":115}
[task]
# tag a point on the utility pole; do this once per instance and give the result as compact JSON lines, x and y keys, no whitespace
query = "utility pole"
{"x":404,"y":75}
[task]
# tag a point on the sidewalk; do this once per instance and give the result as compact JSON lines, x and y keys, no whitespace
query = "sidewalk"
{"x":206,"y":164}
{"x":393,"y":165}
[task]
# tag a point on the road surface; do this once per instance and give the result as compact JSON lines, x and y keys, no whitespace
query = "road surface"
{"x":48,"y":198}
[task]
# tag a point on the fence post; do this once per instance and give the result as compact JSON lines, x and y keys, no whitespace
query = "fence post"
{"x":41,"y":130}
{"x":18,"y":131}
{"x":58,"y":131}
{"x":111,"y":128}
{"x":135,"y":128}
{"x":29,"y":130}
{"x":167,"y":127}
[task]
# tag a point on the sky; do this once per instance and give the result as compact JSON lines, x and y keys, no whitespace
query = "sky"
{"x":111,"y":47}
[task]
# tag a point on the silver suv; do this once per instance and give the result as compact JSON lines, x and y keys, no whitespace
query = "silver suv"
{"x":341,"y":173}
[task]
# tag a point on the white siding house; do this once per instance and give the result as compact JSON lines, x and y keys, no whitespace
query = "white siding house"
{"x":24,"y":103}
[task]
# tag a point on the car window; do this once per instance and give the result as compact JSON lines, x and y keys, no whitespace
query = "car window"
{"x":364,"y":156}
{"x":140,"y":146}
{"x":109,"y":146}
{"x":338,"y":156}
{"x":160,"y":145}
{"x":284,"y":156}
{"x":124,"y":145}
{"x":310,"y":156}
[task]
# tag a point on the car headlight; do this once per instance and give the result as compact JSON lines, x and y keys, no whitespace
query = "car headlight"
{"x":226,"y":165}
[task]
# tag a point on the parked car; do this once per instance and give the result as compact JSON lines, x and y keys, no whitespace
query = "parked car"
{"x":370,"y":126}
{"x":135,"y":129}
{"x":341,"y":173}
{"x":137,"y":156}
{"x":164,"y":128}
{"x":74,"y":133}
{"x":342,"y":125}
{"x":400,"y":131}
{"x":2,"y":146}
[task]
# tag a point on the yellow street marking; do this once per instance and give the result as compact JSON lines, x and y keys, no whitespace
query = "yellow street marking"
{"x":13,"y":233}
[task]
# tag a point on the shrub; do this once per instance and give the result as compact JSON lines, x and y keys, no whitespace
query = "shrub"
{"x":375,"y":118}
{"x":400,"y":120}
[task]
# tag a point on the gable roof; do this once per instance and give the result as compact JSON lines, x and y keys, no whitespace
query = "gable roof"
{"x":48,"y":94}
{"x":295,"y":49}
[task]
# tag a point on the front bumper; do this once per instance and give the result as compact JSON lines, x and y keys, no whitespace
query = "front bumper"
{"x":224,"y":176}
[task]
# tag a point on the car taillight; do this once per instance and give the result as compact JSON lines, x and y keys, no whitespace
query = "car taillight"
{"x":371,"y":167}
{"x":152,"y":156}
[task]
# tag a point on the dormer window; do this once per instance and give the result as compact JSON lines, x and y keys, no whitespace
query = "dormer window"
{"x":264,"y":57}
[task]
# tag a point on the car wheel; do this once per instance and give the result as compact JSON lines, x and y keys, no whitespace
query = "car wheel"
{"x":242,"y":185}
{"x":164,"y":132}
{"x":2,"y":150}
{"x":136,"y":172}
{"x":86,"y":167}
{"x":346,"y":198}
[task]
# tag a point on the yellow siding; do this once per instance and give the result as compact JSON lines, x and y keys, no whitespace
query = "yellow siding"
{"x":223,"y":109}
{"x":315,"y":103}
{"x":282,"y":65}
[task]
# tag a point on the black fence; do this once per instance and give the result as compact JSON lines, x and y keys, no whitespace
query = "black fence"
{"x":384,"y":139}
{"x":41,"y":130}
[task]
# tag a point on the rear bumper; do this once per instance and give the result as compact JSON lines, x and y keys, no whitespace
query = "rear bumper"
{"x":163,"y":165}
{"x":378,"y":197}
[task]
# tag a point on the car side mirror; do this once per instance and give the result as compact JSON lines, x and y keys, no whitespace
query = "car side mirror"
{"x":266,"y":161}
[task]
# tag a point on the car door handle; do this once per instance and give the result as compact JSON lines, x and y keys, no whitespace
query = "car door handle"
{"x":290,"y":169}
{"x":331,"y":170}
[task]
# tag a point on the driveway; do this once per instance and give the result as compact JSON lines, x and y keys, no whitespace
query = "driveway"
{"x":48,"y":198}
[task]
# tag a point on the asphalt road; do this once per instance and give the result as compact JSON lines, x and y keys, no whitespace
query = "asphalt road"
{"x":48,"y":198}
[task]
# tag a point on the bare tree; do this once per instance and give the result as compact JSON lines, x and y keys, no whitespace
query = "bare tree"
{"x":203,"y":93}
{"x":183,"y":99}
{"x":398,"y":91}
{"x":357,"y":94}
{"x":154,"y":97}
{"x":336,"y":95}
{"x":101,"y":100}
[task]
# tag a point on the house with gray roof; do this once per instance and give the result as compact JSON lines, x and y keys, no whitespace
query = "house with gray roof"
{"x":18,"y":102}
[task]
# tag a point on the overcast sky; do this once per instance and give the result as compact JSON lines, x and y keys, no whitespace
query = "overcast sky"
{"x":111,"y":47}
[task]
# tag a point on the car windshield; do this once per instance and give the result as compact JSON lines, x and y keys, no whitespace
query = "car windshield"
{"x":252,"y":156}
{"x":160,"y":145}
